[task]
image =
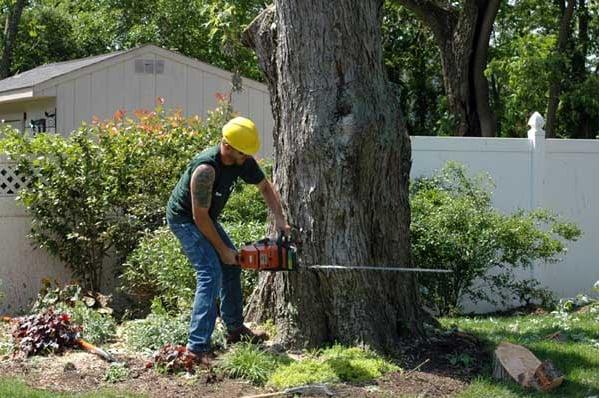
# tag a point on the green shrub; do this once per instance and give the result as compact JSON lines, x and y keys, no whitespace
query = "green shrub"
{"x":102,"y":186}
{"x":250,"y":362}
{"x":116,"y":372}
{"x":455,"y":227}
{"x":160,"y":328}
{"x":155,"y":331}
{"x":88,"y":310}
{"x":97,"y":328}
{"x":158,"y":267}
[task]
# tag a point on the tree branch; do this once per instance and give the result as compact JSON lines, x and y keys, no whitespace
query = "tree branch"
{"x":440,"y":20}
{"x":261,"y":35}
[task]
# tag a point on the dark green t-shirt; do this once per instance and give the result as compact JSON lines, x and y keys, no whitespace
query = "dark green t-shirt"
{"x":179,"y":208}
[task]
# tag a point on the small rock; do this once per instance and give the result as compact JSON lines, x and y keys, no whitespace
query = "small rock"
{"x":276,"y":348}
{"x":69,"y":366}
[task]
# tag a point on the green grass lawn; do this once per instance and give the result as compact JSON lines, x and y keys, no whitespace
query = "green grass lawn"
{"x":577,"y":357}
{"x":12,"y":388}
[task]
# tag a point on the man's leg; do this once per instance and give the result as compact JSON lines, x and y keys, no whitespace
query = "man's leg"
{"x":231,"y":290}
{"x":231,"y":302}
{"x":207,"y":265}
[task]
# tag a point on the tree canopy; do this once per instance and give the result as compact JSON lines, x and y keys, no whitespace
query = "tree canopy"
{"x":522,"y":61}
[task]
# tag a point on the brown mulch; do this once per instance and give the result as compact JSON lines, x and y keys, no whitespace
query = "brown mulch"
{"x":79,"y":371}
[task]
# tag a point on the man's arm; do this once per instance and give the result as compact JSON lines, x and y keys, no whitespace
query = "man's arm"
{"x":274,"y":203}
{"x":201,"y":191}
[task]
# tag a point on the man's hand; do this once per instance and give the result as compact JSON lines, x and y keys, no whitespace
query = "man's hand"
{"x":229,"y":257}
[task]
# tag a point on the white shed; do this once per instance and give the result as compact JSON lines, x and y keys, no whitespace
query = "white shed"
{"x":58,"y":97}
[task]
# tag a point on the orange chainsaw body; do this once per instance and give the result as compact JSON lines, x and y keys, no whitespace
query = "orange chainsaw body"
{"x":268,"y":255}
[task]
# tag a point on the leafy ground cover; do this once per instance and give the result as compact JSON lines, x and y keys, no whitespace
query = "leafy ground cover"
{"x":455,"y":362}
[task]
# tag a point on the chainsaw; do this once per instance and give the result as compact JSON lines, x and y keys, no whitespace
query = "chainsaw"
{"x":281,"y":254}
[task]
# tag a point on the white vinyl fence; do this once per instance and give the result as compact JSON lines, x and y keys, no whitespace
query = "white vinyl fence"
{"x":557,"y":174}
{"x":561,"y":175}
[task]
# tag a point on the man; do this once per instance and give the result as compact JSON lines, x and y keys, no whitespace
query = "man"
{"x":192,"y":213}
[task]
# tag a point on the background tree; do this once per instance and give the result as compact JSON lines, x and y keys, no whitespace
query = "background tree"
{"x":523,"y":57}
{"x":342,"y":164}
{"x":11,"y":28}
{"x":411,"y":59}
{"x":555,"y":82}
{"x":462,"y":31}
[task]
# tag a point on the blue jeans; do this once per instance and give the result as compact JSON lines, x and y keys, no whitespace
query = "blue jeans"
{"x":213,"y":281}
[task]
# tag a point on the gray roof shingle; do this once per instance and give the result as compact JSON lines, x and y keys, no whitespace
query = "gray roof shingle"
{"x":46,"y":72}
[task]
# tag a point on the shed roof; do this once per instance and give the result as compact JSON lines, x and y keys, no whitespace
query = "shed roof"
{"x":46,"y":72}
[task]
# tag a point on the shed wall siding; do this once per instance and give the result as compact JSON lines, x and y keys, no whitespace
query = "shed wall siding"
{"x":186,"y":87}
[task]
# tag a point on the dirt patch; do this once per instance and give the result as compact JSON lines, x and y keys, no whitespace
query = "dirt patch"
{"x":456,"y":355}
{"x":444,"y":373}
{"x":77,"y":371}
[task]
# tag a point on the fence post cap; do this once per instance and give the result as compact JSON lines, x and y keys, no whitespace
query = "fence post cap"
{"x":536,"y":121}
{"x":536,"y":124}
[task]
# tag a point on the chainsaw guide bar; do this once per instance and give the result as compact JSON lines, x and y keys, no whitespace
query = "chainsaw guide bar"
{"x":281,"y":255}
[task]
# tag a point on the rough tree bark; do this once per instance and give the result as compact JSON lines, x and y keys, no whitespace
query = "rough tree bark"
{"x":462,"y":34}
{"x":10,"y":33}
{"x":342,"y":163}
{"x":555,"y":80}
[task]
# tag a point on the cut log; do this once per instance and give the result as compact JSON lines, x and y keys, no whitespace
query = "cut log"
{"x":517,"y":363}
{"x":546,"y":377}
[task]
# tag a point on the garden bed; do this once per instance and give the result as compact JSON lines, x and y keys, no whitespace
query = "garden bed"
{"x":78,"y":371}
{"x":453,"y":363}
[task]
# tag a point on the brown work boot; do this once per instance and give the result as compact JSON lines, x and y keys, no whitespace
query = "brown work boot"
{"x":203,"y":359}
{"x":244,"y":334}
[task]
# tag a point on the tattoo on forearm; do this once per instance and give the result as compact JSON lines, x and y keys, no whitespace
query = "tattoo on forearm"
{"x":202,"y":186}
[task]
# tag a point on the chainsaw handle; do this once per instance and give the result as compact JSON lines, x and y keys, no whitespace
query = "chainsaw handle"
{"x":237,"y":261}
{"x":281,"y":237}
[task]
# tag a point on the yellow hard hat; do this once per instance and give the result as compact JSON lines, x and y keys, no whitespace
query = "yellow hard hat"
{"x":241,"y":133}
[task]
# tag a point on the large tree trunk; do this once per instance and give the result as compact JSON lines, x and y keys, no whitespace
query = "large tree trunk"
{"x":10,"y":34}
{"x":463,"y":39}
{"x":555,"y":81}
{"x":342,"y":166}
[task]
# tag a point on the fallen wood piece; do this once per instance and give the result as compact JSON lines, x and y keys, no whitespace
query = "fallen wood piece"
{"x":546,"y":377}
{"x":517,"y":363}
{"x":309,"y":389}
{"x":556,"y":336}
{"x":415,"y":368}
{"x":96,"y":350}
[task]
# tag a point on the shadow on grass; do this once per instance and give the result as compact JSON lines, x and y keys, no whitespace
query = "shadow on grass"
{"x":489,"y":387}
{"x":577,"y":360}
